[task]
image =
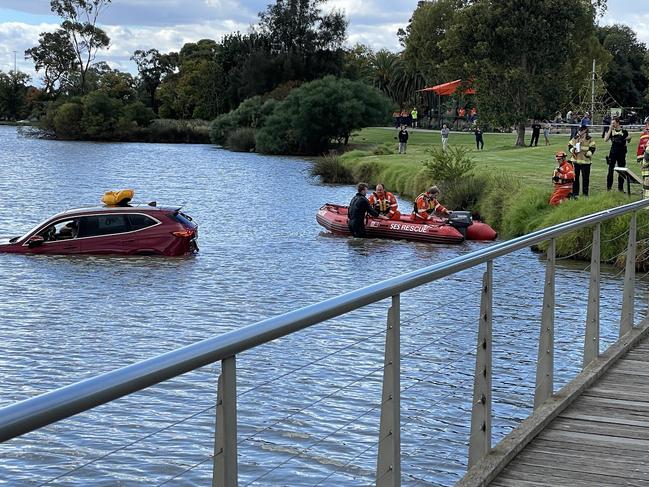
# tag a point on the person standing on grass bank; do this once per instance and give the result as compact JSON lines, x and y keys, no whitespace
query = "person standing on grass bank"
{"x":414,"y":116}
{"x":403,"y":139}
{"x":582,"y":147}
{"x":536,"y":131}
{"x":359,"y":206}
{"x":643,"y":158}
{"x":606,"y":121}
{"x":617,"y":155}
{"x":479,"y":142}
{"x":445,"y":131}
{"x":546,"y":131}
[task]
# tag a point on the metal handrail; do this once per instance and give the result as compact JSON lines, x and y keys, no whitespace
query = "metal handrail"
{"x":45,"y":409}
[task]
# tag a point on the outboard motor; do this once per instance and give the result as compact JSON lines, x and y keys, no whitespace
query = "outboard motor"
{"x":460,"y":220}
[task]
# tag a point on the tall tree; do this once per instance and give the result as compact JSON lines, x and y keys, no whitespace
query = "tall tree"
{"x":80,"y":23}
{"x":422,"y":37}
{"x":625,"y":79}
{"x":152,"y":66}
{"x":55,"y":56}
{"x":300,"y":25}
{"x":524,"y":56}
{"x":13,"y":88}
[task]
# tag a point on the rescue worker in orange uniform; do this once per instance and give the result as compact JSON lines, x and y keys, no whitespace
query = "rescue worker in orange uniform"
{"x":563,"y":177}
{"x":426,"y":205}
{"x":384,"y":202}
{"x":641,"y":155}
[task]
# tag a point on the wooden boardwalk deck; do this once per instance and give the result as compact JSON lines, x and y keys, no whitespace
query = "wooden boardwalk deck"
{"x":601,"y":439}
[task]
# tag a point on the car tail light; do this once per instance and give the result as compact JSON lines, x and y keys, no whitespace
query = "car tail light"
{"x":184,"y":233}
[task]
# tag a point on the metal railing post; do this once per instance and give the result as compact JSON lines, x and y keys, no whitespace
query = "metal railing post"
{"x":224,"y":473}
{"x":591,"y":337}
{"x":480,"y":440}
{"x":545,"y":357}
{"x":388,"y":465}
{"x":626,"y":320}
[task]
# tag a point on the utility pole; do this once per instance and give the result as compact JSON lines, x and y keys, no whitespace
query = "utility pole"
{"x":592,"y":93}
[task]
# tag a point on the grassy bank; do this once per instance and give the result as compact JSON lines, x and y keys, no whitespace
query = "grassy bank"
{"x":511,"y":185}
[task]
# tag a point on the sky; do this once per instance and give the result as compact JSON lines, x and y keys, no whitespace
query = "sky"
{"x":167,"y":24}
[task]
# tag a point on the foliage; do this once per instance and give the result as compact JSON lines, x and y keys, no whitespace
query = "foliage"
{"x":319,"y":112}
{"x":66,"y":121}
{"x":301,"y":26}
{"x":624,"y":78}
{"x":395,"y":78}
{"x":251,"y":113}
{"x":13,"y":95}
{"x":384,"y":149}
{"x":422,"y":38}
{"x":331,"y":169}
{"x":153,"y":67}
{"x":514,"y":65}
{"x":449,"y":166}
{"x":138,"y":113}
{"x":241,"y":139}
{"x":100,"y":115}
{"x":79,"y":21}
{"x":55,"y":57}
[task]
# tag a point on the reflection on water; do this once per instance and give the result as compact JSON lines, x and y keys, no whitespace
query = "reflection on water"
{"x":262,"y":254}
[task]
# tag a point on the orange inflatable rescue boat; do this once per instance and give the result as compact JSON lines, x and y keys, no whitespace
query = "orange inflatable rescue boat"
{"x":454,"y":229}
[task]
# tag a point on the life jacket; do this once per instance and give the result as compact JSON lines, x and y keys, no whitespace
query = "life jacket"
{"x":642,"y":145}
{"x":565,"y":172}
{"x":431,"y":205}
{"x":386,"y":205}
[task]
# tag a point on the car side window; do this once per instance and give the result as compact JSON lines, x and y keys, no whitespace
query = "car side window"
{"x":61,"y":230}
{"x":97,"y":225}
{"x":138,"y":222}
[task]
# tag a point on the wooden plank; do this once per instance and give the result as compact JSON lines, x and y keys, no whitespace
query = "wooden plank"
{"x":579,"y":447}
{"x":603,"y":429}
{"x":595,"y":439}
{"x":598,"y":418}
{"x":594,"y":401}
{"x":582,"y":463}
{"x":519,"y":483}
{"x":558,"y":477}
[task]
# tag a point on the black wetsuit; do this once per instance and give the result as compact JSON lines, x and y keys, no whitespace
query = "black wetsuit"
{"x":358,"y":207}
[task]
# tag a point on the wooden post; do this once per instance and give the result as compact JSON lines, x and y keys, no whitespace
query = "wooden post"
{"x":480,"y":440}
{"x":545,"y":356}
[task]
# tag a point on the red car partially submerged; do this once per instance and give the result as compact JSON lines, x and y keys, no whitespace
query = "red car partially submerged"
{"x":132,"y":230}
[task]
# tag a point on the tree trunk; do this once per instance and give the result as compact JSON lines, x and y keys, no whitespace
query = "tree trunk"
{"x":520,"y":135}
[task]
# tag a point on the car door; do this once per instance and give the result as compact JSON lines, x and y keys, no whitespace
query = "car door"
{"x":59,"y":238}
{"x":103,"y":233}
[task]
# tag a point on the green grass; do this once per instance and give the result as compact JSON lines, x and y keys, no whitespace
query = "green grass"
{"x":533,"y":165}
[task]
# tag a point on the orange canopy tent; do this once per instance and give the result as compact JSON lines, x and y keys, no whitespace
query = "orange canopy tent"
{"x":449,"y":88}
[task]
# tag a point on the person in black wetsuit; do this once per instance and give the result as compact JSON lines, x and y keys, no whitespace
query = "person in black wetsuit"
{"x":359,"y":206}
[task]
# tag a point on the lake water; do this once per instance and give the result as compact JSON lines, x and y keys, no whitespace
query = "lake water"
{"x":308,"y":403}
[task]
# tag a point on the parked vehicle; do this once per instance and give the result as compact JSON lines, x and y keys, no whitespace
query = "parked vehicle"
{"x":131,"y":230}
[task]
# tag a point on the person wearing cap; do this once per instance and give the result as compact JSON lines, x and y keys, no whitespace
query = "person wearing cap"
{"x":426,"y":205}
{"x":359,"y":207}
{"x":563,"y":177}
{"x":581,"y":147}
{"x":617,"y":155}
{"x":384,"y":202}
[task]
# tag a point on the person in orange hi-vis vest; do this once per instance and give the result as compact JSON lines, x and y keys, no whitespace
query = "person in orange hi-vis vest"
{"x":426,"y":205}
{"x":643,"y":145}
{"x":384,"y":202}
{"x":563,"y":177}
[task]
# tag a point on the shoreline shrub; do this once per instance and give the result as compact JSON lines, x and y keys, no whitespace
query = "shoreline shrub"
{"x":330,"y":168}
{"x":241,"y":140}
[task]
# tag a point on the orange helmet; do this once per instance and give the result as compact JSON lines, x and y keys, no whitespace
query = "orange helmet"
{"x":560,"y":155}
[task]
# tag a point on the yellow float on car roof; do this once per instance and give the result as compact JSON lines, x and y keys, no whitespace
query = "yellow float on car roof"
{"x":121,"y":197}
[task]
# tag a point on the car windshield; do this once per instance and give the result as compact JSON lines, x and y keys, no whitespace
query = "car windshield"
{"x":25,"y":235}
